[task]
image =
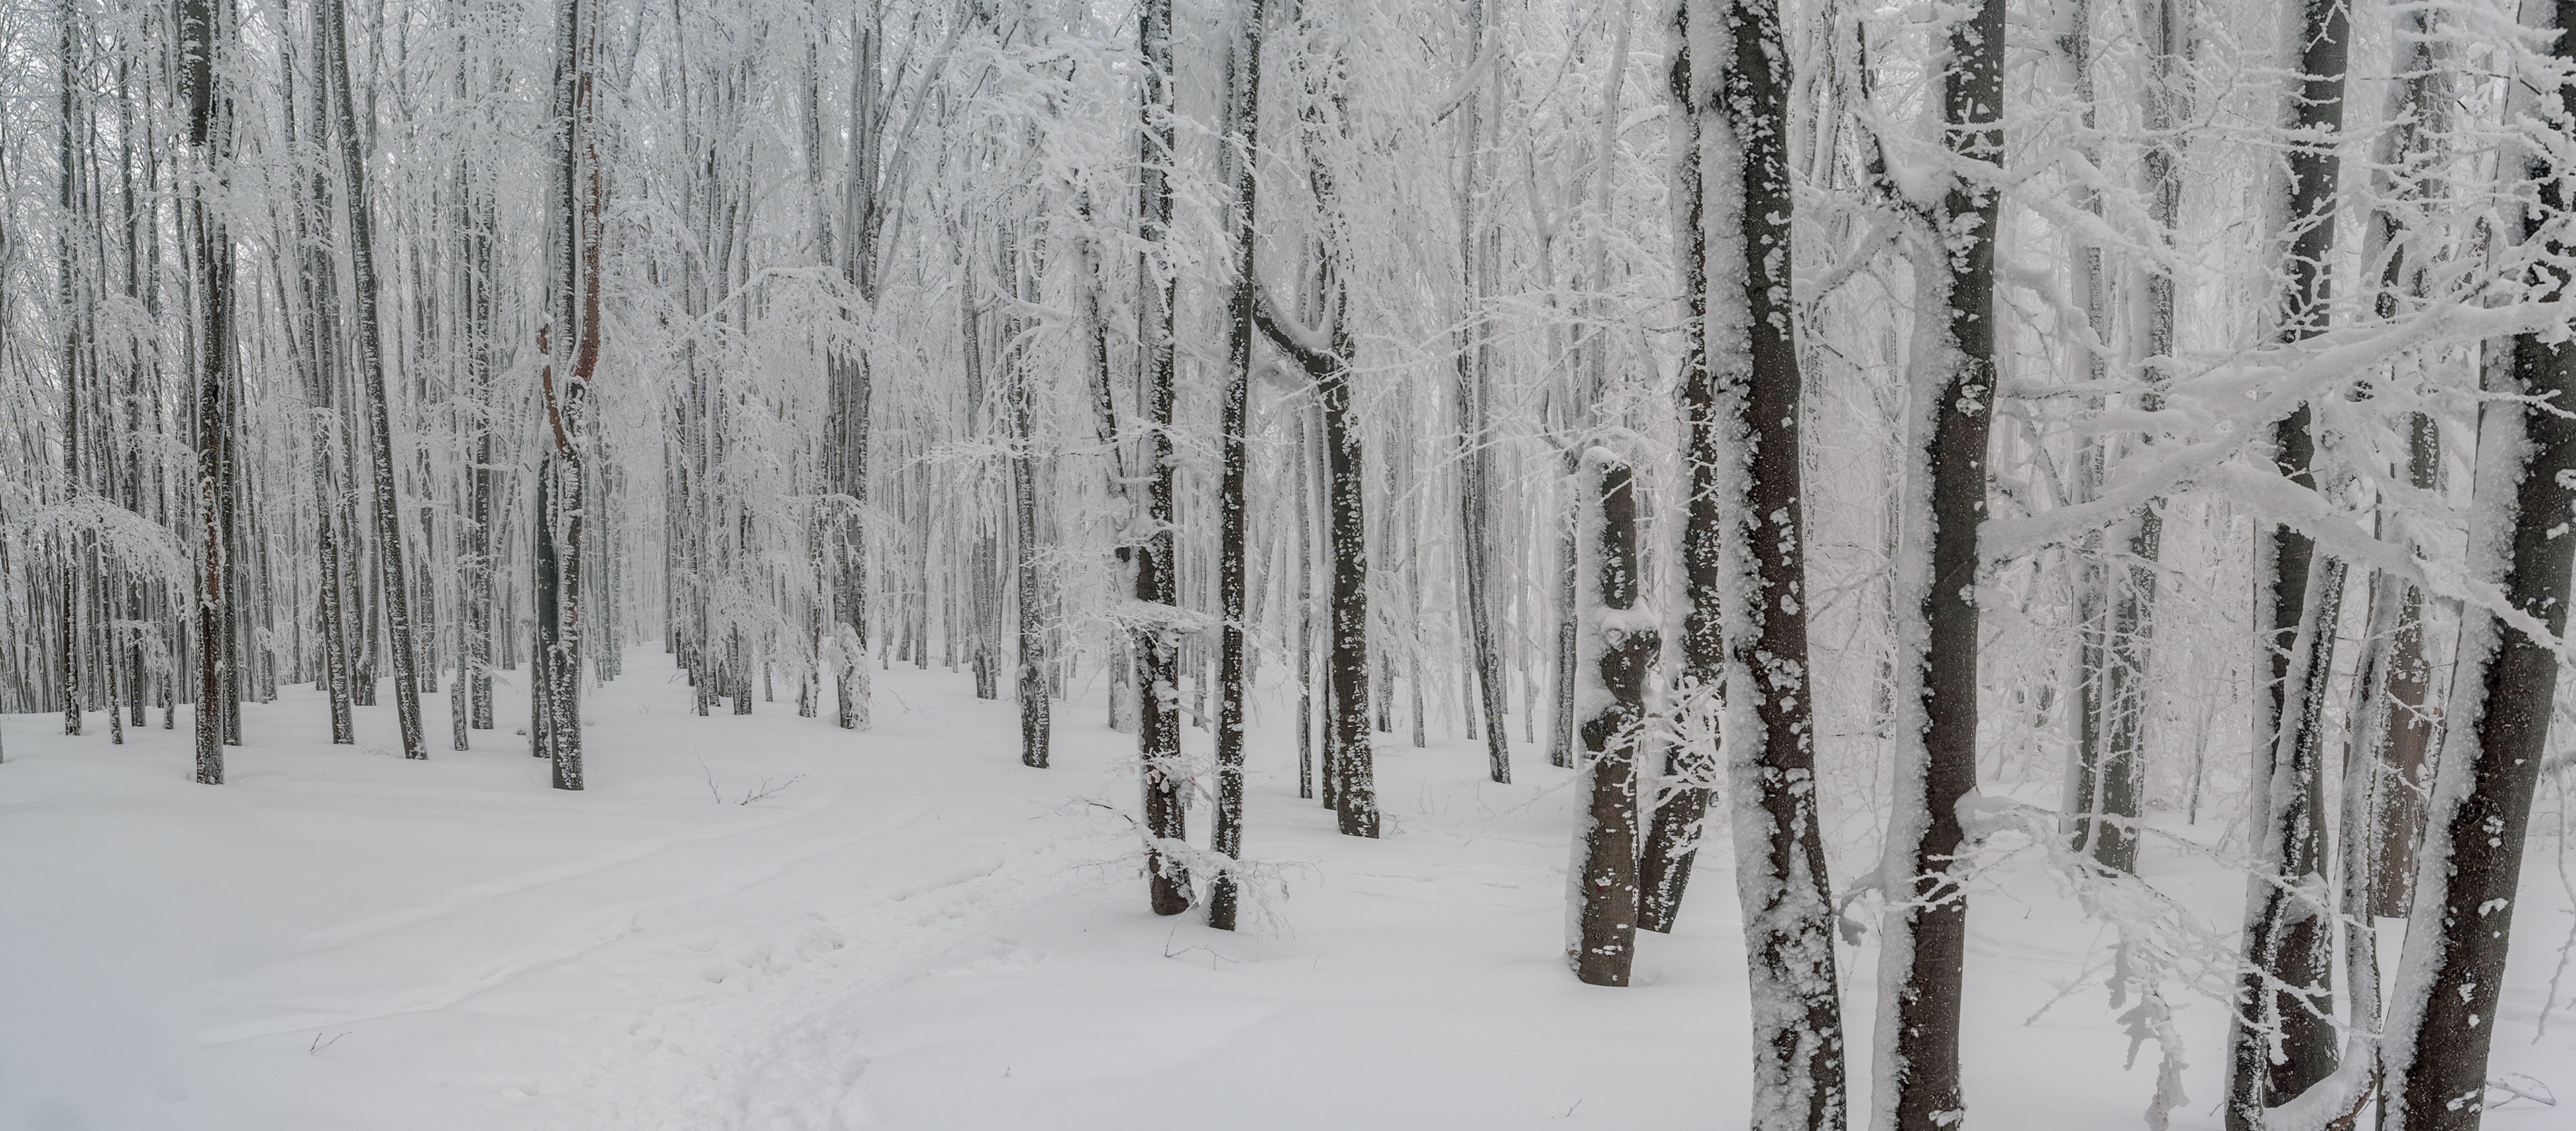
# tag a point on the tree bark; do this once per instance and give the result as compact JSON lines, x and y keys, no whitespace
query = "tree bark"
{"x":1233,"y":668}
{"x":1744,"y":637}
{"x":200,"y":41}
{"x":67,"y":621}
{"x":2503,"y":685}
{"x":571,"y":349}
{"x":1605,"y":875}
{"x":1927,"y":930}
{"x":851,"y":386}
{"x":1158,"y":736}
{"x":371,"y":368}
{"x":2288,"y":942}
{"x":1476,"y":234}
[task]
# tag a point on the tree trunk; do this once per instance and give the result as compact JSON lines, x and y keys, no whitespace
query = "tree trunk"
{"x":2399,"y":719}
{"x":1305,"y":605}
{"x":371,"y":369}
{"x":571,"y":347}
{"x":1035,"y":724}
{"x":1475,"y":361}
{"x":2502,"y":689}
{"x":1605,"y":872}
{"x":850,"y":381}
{"x":67,"y":685}
{"x":200,"y":41}
{"x":1744,"y":562}
{"x":1158,"y":736}
{"x":1927,"y":929}
{"x":319,"y":357}
{"x":2288,"y":943}
{"x":1233,"y":674}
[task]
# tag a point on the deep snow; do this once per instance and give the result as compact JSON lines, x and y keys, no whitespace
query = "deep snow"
{"x":920,"y":933}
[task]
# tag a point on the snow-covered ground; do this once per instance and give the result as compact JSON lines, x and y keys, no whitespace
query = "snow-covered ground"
{"x":911,"y":930}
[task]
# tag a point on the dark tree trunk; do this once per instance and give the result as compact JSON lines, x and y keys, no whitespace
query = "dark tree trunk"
{"x":1158,"y":735}
{"x":2503,"y":689}
{"x":371,"y":369}
{"x":1928,"y":932}
{"x":1305,"y":606}
{"x":200,"y":40}
{"x":1244,"y":116}
{"x":321,"y":380}
{"x":1673,"y":833}
{"x":1560,"y":750}
{"x":67,"y":684}
{"x":1605,"y":882}
{"x":1031,"y":653}
{"x":1744,"y":566}
{"x":851,"y":386}
{"x":483,"y":573}
{"x":2104,"y":792}
{"x":1477,"y":237}
{"x":2400,"y":762}
{"x":571,"y":349}
{"x":1354,"y":771}
{"x":2384,"y":826}
{"x":2288,"y":941}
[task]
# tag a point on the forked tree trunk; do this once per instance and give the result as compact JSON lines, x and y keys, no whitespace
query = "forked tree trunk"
{"x":2398,"y":720}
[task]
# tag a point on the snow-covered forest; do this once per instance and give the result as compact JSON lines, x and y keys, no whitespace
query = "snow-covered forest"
{"x":1223,"y":563}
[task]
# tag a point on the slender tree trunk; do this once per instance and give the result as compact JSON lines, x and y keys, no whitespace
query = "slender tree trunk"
{"x":1233,"y":674}
{"x":2407,"y":177}
{"x":2290,"y":1043}
{"x":1305,"y":606}
{"x":1158,"y":736}
{"x":320,"y":382}
{"x":1035,"y":724}
{"x":1927,"y":931}
{"x":2104,"y":791}
{"x":371,"y":368}
{"x":1672,"y":839}
{"x":572,"y":356}
{"x":2121,"y":769}
{"x":200,"y":39}
{"x":1475,"y":508}
{"x":851,"y":388}
{"x":1561,"y":729}
{"x":69,"y":650}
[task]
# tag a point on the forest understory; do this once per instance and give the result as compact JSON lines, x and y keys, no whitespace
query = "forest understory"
{"x":916,"y":934}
